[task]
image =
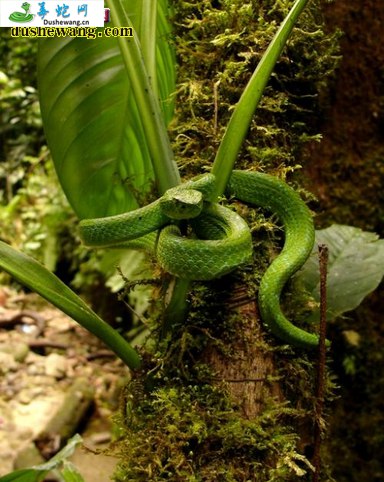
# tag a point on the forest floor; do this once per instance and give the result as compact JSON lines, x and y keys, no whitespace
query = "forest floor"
{"x":56,"y":379}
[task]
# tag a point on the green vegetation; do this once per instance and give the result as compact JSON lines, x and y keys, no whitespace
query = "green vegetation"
{"x":29,"y":191}
{"x":355,"y":268}
{"x":59,"y":466}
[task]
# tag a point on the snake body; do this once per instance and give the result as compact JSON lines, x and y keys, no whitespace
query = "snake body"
{"x":220,"y":239}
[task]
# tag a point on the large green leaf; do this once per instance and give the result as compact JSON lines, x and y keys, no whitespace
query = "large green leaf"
{"x":93,"y":125}
{"x":355,"y":267}
{"x":35,"y":276}
{"x":37,"y":473}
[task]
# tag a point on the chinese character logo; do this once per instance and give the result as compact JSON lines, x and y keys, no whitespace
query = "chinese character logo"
{"x":43,"y":11}
{"x":83,"y":9}
{"x":63,"y":11}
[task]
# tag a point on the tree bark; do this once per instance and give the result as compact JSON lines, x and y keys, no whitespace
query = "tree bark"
{"x":248,"y":372}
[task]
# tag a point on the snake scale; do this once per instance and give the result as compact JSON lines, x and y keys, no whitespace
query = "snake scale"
{"x":218,"y":239}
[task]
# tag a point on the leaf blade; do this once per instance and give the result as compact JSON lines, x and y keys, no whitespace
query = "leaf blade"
{"x":92,"y":123}
{"x":355,"y":268}
{"x":241,"y":117}
{"x":37,"y":473}
{"x":35,"y":276}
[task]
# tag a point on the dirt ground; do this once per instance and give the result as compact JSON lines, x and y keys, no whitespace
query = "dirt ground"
{"x":52,"y":369}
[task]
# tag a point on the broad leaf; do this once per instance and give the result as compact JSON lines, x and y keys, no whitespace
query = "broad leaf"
{"x":70,"y":473}
{"x":91,"y":119}
{"x":24,"y":475}
{"x":35,"y":276}
{"x":355,"y":267}
{"x":38,"y":472}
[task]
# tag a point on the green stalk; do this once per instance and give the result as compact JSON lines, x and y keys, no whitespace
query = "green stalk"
{"x":175,"y":311}
{"x":148,"y":40}
{"x":140,"y":62}
{"x":166,"y":172}
{"x":36,"y":277}
{"x":242,"y":115}
{"x":177,"y":308}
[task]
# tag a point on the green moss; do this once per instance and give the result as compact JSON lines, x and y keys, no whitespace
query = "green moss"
{"x":217,"y":49}
{"x":188,"y":430}
{"x":179,"y":421}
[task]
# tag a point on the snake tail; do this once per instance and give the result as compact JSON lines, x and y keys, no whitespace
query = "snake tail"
{"x":277,"y":197}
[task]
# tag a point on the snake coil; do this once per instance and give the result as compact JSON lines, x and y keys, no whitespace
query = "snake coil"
{"x":222,"y":239}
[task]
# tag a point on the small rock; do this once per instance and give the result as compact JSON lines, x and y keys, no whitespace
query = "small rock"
{"x":24,"y":433}
{"x":18,"y":350}
{"x":55,"y":366}
{"x":25,"y":397}
{"x":7,"y":363}
{"x":27,"y":456}
{"x":43,"y":381}
{"x":100,"y":438}
{"x":36,"y":369}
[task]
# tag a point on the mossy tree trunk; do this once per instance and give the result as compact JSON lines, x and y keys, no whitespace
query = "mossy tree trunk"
{"x":224,"y":400}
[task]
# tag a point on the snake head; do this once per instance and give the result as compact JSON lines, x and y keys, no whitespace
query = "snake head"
{"x":179,"y":203}
{"x":25,"y":6}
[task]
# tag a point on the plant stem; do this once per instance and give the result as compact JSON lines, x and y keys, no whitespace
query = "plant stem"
{"x":167,"y":174}
{"x":242,"y":115}
{"x":140,"y":63}
{"x":36,"y":277}
{"x":177,"y":307}
{"x":148,"y":40}
{"x":320,"y":388}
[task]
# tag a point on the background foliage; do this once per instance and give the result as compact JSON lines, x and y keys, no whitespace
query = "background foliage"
{"x":33,"y":210}
{"x":347,"y":176}
{"x":35,"y":216}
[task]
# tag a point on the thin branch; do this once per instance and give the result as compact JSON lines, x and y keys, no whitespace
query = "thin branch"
{"x":216,"y":102}
{"x":320,"y":388}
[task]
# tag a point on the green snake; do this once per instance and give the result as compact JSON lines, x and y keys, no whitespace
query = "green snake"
{"x":217,"y":239}
{"x":22,"y":17}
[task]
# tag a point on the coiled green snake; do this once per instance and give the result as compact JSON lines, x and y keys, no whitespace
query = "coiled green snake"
{"x":218,"y":240}
{"x":22,"y":17}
